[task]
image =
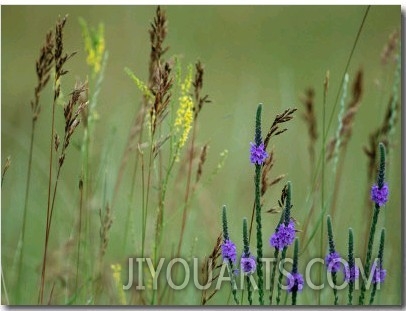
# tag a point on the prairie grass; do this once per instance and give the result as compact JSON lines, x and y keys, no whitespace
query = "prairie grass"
{"x":136,"y":145}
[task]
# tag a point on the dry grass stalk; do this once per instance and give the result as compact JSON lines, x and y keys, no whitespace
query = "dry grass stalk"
{"x":381,"y":134}
{"x":72,"y":119}
{"x":202,"y":160}
{"x":71,"y":123}
{"x":389,"y":50}
{"x":159,"y":81}
{"x":198,"y":85}
{"x":43,"y":68}
{"x":105,"y":221}
{"x":163,"y":82}
{"x":60,"y":59}
{"x":158,"y":32}
{"x":310,"y":118}
{"x":79,"y":229}
{"x":309,"y":115}
{"x":349,"y":117}
{"x":265,"y":183}
{"x":209,"y":266}
{"x":281,"y":201}
{"x":285,"y":116}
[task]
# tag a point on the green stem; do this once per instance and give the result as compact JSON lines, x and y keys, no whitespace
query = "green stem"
{"x":380,"y":264}
{"x":249,"y":290}
{"x":20,"y":247}
{"x":351,"y":265}
{"x":369,"y":252}
{"x":332,"y":250}
{"x":80,"y":231}
{"x":273,"y":273}
{"x":283,"y":256}
{"x":51,"y":153}
{"x":259,"y":233}
{"x":294,"y":269}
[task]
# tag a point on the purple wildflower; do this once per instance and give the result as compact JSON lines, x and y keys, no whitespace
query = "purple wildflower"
{"x":295,"y":282}
{"x":284,"y":236}
{"x":229,"y":251}
{"x":380,"y":195}
{"x":333,"y":262}
{"x":351,"y":274}
{"x":248,"y":265}
{"x":258,"y":154}
{"x":379,"y":274}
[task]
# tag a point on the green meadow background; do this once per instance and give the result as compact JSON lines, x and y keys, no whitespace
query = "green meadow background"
{"x":251,"y":54}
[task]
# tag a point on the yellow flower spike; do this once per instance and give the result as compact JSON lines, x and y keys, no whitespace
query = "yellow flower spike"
{"x":116,"y":268}
{"x":94,"y":45}
{"x":140,"y":85}
{"x":184,"y":115}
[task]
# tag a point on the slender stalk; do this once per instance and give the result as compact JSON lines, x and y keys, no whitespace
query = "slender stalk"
{"x":337,"y":181}
{"x":273,"y":273}
{"x":246,"y":254}
{"x":143,"y":211}
{"x":59,"y":61}
{"x":27,"y":191}
{"x":369,"y":252}
{"x":51,"y":153}
{"x":257,"y":182}
{"x":228,"y":260}
{"x":283,"y":256}
{"x":323,"y":162}
{"x":351,"y":265}
{"x":189,"y":174}
{"x":380,"y":264}
{"x":294,"y":269}
{"x":160,"y":216}
{"x":331,"y":251}
{"x":80,"y":231}
{"x":316,"y":172}
{"x":144,"y":226}
{"x":285,"y":218}
{"x":380,"y":182}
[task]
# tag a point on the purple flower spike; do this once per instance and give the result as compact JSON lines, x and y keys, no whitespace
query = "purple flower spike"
{"x":380,"y":196}
{"x":284,"y":236}
{"x":258,"y":154}
{"x":333,"y":262}
{"x":351,"y":274}
{"x":295,"y":282}
{"x":379,"y":274}
{"x":248,"y":265}
{"x":229,"y":251}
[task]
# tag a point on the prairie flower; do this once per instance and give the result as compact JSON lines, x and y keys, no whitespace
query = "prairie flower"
{"x":229,"y":251}
{"x":380,"y":195}
{"x":184,"y":115}
{"x":248,"y":265}
{"x":94,"y":45}
{"x":333,"y":262}
{"x":295,"y":282}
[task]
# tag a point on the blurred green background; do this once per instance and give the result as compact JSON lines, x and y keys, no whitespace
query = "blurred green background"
{"x":252,"y":54}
